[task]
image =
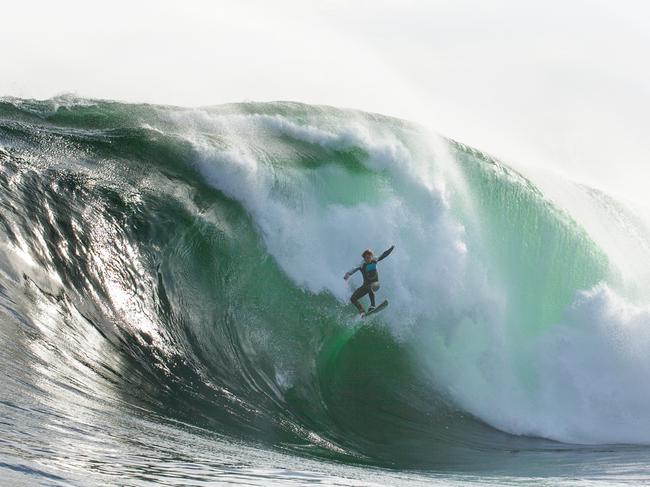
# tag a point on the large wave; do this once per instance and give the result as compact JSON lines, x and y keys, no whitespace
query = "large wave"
{"x":191,"y":261}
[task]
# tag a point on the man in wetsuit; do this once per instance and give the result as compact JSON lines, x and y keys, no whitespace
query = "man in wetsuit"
{"x":370,"y":275}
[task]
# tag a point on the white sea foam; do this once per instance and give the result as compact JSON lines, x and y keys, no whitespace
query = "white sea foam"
{"x":314,"y":240}
{"x":582,"y":381}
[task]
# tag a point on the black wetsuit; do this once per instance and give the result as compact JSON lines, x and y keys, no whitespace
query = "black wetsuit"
{"x":370,"y":277}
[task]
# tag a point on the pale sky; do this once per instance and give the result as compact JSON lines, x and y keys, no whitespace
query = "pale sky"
{"x":557,"y":84}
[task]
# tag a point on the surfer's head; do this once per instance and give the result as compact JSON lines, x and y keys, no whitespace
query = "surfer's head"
{"x":367,"y":255}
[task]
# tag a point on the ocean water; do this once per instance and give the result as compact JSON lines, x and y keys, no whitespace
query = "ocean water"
{"x":173,"y":309}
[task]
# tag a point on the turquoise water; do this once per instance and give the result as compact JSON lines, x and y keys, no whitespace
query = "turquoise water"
{"x":172,"y":307}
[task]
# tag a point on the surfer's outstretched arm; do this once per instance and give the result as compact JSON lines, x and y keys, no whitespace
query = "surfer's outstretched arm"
{"x":350,"y":272}
{"x":386,"y":253}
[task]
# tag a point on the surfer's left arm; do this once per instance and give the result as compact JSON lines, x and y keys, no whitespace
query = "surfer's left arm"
{"x":386,"y":253}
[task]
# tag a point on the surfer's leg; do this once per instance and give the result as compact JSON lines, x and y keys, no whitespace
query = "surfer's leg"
{"x":371,"y":294}
{"x":359,"y":293}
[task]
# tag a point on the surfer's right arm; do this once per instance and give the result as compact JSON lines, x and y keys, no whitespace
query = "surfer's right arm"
{"x":350,"y":272}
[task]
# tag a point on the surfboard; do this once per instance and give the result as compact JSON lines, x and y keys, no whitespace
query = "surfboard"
{"x":377,"y":309}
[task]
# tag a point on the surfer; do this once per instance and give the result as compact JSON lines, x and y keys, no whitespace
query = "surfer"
{"x":370,"y":275}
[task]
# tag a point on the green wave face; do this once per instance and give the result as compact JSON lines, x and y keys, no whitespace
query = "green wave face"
{"x":208,"y":247}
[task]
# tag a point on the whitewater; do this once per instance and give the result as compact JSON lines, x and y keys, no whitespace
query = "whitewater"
{"x":173,"y":308}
